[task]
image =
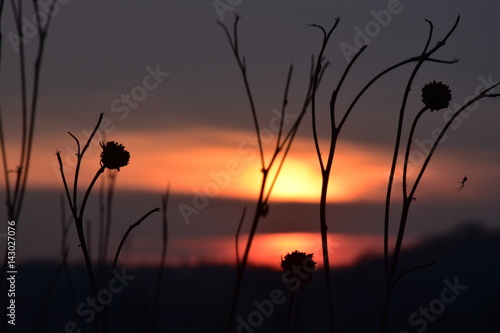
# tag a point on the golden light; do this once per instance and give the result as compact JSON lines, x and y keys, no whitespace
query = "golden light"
{"x":298,"y":181}
{"x":357,"y":173}
{"x":201,"y":160}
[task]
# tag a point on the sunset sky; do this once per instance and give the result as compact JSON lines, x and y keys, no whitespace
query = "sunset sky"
{"x":170,"y":90}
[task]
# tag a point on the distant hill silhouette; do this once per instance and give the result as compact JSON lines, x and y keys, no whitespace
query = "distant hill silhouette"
{"x":197,"y":299}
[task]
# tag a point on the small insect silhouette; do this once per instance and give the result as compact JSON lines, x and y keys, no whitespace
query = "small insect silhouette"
{"x":462,"y":184}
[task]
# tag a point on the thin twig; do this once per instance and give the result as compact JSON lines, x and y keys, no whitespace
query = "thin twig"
{"x":289,"y":137}
{"x":18,"y":12}
{"x":78,"y":216}
{"x":335,"y":92}
{"x":407,"y":153}
{"x":352,"y":321}
{"x":482,"y":95}
{"x":237,"y":243}
{"x":378,"y":76}
{"x":109,"y":211}
{"x":5,"y":165}
{"x":326,"y":168}
{"x":241,"y":63}
{"x":390,"y":268}
{"x":101,"y":258}
{"x":15,"y":194}
{"x":34,"y":100}
{"x":130,"y":228}
{"x":318,"y":70}
{"x":261,"y":206}
{"x":80,"y":157}
{"x":408,"y":271}
{"x":87,"y":193}
{"x":66,"y":188}
{"x":283,"y":107}
{"x":396,"y":151}
{"x":164,"y":206}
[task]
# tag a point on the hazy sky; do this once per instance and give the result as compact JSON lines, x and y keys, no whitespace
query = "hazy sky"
{"x":164,"y":76}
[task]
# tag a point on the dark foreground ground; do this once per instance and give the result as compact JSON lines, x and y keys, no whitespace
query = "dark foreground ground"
{"x":460,"y":293}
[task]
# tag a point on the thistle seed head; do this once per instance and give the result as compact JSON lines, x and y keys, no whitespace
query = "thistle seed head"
{"x":114,"y":155}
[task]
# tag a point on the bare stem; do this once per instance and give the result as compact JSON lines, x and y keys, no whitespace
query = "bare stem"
{"x":390,"y":267}
{"x":389,"y":272}
{"x":15,"y":194}
{"x":326,"y":37}
{"x":326,"y":168}
{"x":284,"y":141}
{"x":407,"y":153}
{"x":482,"y":95}
{"x":237,"y":236}
{"x":164,"y":206}
{"x":109,"y":211}
{"x":233,"y":41}
{"x":78,"y":215}
{"x":241,"y":268}
{"x":130,"y":228}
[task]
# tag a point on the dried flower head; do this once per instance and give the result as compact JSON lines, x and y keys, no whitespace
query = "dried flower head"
{"x":436,"y":95}
{"x":114,"y":155}
{"x":299,"y":265}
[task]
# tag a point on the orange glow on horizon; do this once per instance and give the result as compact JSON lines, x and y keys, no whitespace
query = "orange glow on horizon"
{"x":344,"y":249}
{"x":267,"y":249}
{"x":225,"y":164}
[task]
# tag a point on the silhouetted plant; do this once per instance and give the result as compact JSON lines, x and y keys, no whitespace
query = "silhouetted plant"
{"x":435,"y":96}
{"x":79,"y":210}
{"x":15,"y":189}
{"x":298,"y":267}
{"x":130,"y":228}
{"x":164,"y":238}
{"x":429,"y":98}
{"x":409,"y":196}
{"x":106,"y":196}
{"x":336,"y":128}
{"x":113,"y":156}
{"x":283,"y":144}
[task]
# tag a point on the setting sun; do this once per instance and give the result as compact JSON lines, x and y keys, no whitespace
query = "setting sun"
{"x":215,"y":168}
{"x":298,"y":180}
